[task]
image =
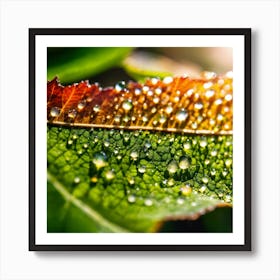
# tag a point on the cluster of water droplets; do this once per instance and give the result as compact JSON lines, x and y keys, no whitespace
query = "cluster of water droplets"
{"x":159,"y":104}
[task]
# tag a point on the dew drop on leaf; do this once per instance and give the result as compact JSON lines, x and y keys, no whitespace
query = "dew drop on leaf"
{"x":148,"y":202}
{"x":77,"y":180}
{"x":169,"y":109}
{"x":198,"y":105}
{"x":172,"y":167}
{"x":55,"y":111}
{"x":110,"y":175}
{"x":184,"y":163}
{"x":181,"y":115}
{"x":131,"y":198}
{"x":142,"y":169}
{"x":81,"y":105}
{"x":120,"y":86}
{"x":134,"y":155}
{"x":72,"y":114}
{"x":204,"y":180}
{"x":127,"y":105}
{"x":96,"y":108}
{"x":100,"y":160}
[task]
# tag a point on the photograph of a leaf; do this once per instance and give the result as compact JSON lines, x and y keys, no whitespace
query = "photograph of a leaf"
{"x":140,"y":156}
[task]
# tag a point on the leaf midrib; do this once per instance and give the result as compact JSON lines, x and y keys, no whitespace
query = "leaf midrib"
{"x":89,"y":211}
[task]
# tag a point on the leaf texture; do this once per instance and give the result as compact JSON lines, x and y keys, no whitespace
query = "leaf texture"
{"x":179,"y":104}
{"x":115,"y":163}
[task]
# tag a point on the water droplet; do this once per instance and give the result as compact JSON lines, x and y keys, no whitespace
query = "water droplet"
{"x":176,"y":99}
{"x":162,"y":119}
{"x":154,"y":80}
{"x":96,"y":108}
{"x":110,"y":175}
{"x":142,"y":169}
{"x":148,"y":145}
{"x":228,"y":162}
{"x":209,"y":75}
{"x":213,"y":172}
{"x":145,"y":89}
{"x":205,"y":180}
{"x":187,"y":146}
{"x":219,"y":101}
{"x":55,"y":111}
{"x":207,"y":85}
{"x":94,"y":179}
{"x":120,"y":86}
{"x":134,"y":155}
{"x":100,"y":160}
{"x":194,"y":125}
{"x":207,"y":161}
{"x":131,"y":198}
{"x":167,"y":80}
{"x":81,"y":105}
{"x":172,"y":167}
{"x":209,"y":93}
{"x":154,"y":109}
{"x":131,"y":181}
{"x":203,"y":189}
{"x":77,"y":180}
{"x":186,"y":190}
{"x":180,"y":200}
{"x":127,"y":105}
{"x":227,"y":198}
{"x":117,"y":119}
{"x":184,"y":163}
{"x":198,"y":105}
{"x":137,"y":91}
{"x":181,"y":115}
{"x":169,"y":109}
{"x":170,"y":182}
{"x":220,"y":117}
{"x":203,"y":142}
{"x":106,"y":143}
{"x":145,"y":119}
{"x":89,"y":99}
{"x":158,"y":91}
{"x":228,"y":97}
{"x":156,"y":100}
{"x":148,"y":202}
{"x":214,"y":153}
{"x":212,"y":122}
{"x":225,"y":172}
{"x":72,"y":114}
{"x":126,"y":119}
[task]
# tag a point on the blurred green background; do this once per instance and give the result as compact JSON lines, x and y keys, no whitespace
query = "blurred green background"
{"x":109,"y":65}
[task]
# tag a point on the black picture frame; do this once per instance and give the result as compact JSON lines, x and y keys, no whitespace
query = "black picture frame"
{"x":246,"y":33}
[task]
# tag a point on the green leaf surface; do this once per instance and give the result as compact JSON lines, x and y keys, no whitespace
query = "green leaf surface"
{"x":72,"y":64}
{"x":102,"y":180}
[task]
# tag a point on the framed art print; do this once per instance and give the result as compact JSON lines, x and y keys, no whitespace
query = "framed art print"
{"x":140,"y":139}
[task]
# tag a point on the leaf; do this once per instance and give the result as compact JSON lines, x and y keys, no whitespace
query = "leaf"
{"x":180,"y":104}
{"x":71,"y":64}
{"x":128,"y":180}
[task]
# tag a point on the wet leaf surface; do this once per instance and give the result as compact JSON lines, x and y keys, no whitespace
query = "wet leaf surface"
{"x":130,"y":177}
